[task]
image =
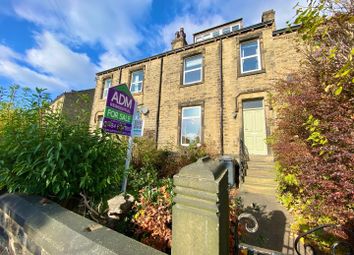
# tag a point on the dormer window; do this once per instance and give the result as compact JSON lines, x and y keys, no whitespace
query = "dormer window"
{"x":226,"y":30}
{"x":234,"y":28}
{"x":218,"y":31}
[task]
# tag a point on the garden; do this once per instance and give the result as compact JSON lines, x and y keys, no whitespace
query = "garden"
{"x":313,"y":142}
{"x":43,"y":152}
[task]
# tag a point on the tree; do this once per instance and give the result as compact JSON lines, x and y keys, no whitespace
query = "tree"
{"x":314,"y":140}
{"x":42,"y":152}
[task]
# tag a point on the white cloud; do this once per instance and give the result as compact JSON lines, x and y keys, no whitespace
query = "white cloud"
{"x":250,"y":10}
{"x":109,"y":60}
{"x":190,"y":25}
{"x":56,"y":59}
{"x":117,"y":28}
{"x":8,"y":53}
{"x":29,"y":78}
{"x":197,"y":15}
{"x":69,"y":25}
{"x":112,"y":23}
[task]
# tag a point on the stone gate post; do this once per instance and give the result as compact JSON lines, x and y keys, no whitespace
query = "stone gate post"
{"x":200,"y":216}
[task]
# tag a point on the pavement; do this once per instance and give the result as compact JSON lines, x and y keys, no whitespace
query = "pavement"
{"x":258,"y":194}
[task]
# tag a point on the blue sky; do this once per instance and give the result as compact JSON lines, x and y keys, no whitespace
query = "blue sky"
{"x":61,"y":44}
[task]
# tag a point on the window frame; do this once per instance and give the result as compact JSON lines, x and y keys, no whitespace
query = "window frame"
{"x":220,"y":31}
{"x":132,"y":82}
{"x":104,"y":89}
{"x":100,"y":121}
{"x":193,"y":117}
{"x":258,"y":55}
{"x":184,"y":83}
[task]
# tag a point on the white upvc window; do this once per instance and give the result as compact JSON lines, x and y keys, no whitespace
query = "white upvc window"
{"x":235,"y":28}
{"x":136,"y":83}
{"x":217,"y":32}
{"x":107,"y":83}
{"x":250,"y":56}
{"x":199,"y":38}
{"x":191,"y":125}
{"x":193,"y":69}
{"x":100,"y":121}
{"x":226,"y":30}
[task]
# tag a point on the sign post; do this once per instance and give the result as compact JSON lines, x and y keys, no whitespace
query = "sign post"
{"x":118,"y":119}
{"x":138,"y":125}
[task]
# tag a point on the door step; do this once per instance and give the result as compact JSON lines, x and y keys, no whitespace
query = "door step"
{"x":266,"y":158}
{"x":256,"y":180}
{"x":264,"y":190}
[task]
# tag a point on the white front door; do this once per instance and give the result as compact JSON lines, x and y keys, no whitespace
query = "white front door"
{"x":254,"y":127}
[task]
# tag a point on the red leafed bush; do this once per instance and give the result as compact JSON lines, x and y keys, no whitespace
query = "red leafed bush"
{"x":235,"y":209}
{"x":314,"y":140}
{"x":153,"y":219}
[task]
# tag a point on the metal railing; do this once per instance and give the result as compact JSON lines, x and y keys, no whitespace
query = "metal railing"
{"x":244,"y":157}
{"x":251,"y":226}
{"x":309,"y":249}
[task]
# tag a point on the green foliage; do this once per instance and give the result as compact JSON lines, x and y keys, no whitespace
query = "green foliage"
{"x":315,"y":137}
{"x":144,"y":177}
{"x":153,"y":216}
{"x":42,"y":152}
{"x":326,"y":26}
{"x":313,"y":142}
{"x":151,"y":164}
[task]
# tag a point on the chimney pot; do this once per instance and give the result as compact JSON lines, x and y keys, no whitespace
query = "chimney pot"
{"x":268,"y":16}
{"x":180,"y":39}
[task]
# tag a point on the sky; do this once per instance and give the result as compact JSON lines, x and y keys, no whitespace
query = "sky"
{"x":61,"y":44}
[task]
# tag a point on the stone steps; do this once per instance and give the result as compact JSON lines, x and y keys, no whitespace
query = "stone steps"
{"x":258,"y":194}
{"x":265,"y":173}
{"x":262,"y":189}
{"x":260,"y":178}
{"x":256,"y":180}
{"x":260,"y":164}
{"x":261,"y":158}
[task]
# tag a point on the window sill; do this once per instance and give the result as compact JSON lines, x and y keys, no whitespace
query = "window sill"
{"x":191,"y":84}
{"x":187,"y":146}
{"x":137,"y":93}
{"x":251,"y":73}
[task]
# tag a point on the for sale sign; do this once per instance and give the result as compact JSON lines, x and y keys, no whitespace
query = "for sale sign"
{"x":119,"y":111}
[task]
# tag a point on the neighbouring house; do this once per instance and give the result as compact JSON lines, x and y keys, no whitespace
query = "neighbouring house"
{"x":75,"y":104}
{"x":214,"y":91}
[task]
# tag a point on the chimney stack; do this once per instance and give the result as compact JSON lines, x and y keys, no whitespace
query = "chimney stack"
{"x":268,"y":16}
{"x":180,"y":39}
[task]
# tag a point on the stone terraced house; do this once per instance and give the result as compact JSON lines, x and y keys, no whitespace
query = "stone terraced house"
{"x":74,"y":104}
{"x":214,"y":91}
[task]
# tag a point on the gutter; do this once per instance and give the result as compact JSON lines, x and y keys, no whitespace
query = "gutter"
{"x":221,"y":100}
{"x":191,"y":46}
{"x":286,"y":30}
{"x":159,"y":105}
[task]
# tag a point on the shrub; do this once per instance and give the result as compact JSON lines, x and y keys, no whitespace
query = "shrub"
{"x":314,"y":138}
{"x":153,"y":217}
{"x":42,"y":152}
{"x":167,"y":162}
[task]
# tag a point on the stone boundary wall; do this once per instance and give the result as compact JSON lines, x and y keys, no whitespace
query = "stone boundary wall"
{"x":29,"y":227}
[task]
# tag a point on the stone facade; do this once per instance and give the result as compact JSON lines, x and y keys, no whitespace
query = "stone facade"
{"x":220,"y":93}
{"x":75,"y":104}
{"x":33,"y":225}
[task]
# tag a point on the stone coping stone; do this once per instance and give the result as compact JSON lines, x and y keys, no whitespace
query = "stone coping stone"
{"x":59,"y":231}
